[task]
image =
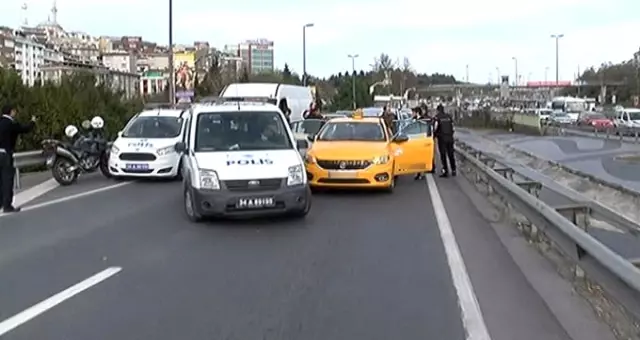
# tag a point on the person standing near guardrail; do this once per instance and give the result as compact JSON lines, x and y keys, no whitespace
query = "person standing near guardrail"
{"x":10,"y":129}
{"x":443,"y":131}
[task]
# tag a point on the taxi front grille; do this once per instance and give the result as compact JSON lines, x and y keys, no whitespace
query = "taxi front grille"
{"x":137,"y":156}
{"x":344,"y":164}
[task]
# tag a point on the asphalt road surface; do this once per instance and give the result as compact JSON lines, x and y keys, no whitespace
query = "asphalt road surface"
{"x":120,"y":261}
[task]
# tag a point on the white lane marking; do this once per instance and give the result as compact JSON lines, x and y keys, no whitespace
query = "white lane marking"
{"x":43,"y":306}
{"x":34,"y":192}
{"x":472,"y":318}
{"x":71,"y":197}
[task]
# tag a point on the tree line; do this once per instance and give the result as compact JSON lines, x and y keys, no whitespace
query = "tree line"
{"x":336,"y":91}
{"x":56,"y":105}
{"x":623,"y":77}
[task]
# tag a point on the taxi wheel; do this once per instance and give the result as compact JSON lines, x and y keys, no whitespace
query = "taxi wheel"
{"x":190,"y":208}
{"x":391,"y":186}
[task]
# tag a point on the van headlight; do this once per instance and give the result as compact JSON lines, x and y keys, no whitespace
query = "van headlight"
{"x":209,"y":180}
{"x":381,"y":159}
{"x":296,"y":175}
{"x":166,"y":150}
{"x":114,"y":150}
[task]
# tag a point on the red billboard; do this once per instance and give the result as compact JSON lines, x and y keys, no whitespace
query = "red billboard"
{"x":552,"y":83}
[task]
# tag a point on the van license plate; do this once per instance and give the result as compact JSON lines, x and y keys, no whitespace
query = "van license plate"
{"x":256,"y":203}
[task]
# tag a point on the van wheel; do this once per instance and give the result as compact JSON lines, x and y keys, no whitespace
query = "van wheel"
{"x":304,"y":212}
{"x":190,"y":207}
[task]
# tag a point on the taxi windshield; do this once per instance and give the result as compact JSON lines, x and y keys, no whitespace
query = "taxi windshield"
{"x":153,"y":127}
{"x":352,"y":131}
{"x":244,"y":131}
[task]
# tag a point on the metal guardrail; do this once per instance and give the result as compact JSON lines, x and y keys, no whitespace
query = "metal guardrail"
{"x":26,"y":159}
{"x":564,"y":226}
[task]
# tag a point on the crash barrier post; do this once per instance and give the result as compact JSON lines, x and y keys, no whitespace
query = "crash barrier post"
{"x":22,"y":160}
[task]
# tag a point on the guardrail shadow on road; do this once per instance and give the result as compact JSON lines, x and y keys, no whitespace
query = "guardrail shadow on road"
{"x":610,"y":283}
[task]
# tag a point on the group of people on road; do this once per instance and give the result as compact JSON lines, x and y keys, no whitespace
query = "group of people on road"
{"x":10,"y":129}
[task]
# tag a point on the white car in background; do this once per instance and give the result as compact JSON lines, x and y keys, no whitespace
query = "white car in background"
{"x":146,"y":145}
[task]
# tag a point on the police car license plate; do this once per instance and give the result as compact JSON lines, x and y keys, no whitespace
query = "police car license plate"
{"x":255,"y":203}
{"x":138,"y":167}
{"x":343,"y":174}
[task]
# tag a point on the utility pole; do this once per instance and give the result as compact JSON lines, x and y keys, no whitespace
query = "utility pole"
{"x":172,"y":80}
{"x":353,"y":78}
{"x":304,"y":53}
{"x":557,"y":37}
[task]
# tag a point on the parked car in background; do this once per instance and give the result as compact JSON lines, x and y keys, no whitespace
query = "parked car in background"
{"x":595,"y":119}
{"x":561,"y":118}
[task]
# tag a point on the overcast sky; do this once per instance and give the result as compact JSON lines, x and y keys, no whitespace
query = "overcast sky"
{"x":436,"y":36}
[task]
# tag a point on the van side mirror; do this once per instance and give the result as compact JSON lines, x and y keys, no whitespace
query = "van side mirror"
{"x":180,"y":147}
{"x":120,"y":133}
{"x":311,"y":138}
{"x":401,"y":138}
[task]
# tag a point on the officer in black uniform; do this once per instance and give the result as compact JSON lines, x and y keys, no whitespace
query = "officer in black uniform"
{"x":9,"y":131}
{"x":444,"y":134}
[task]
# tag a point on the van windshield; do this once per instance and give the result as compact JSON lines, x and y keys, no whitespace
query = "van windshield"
{"x":241,"y":131}
{"x":153,"y":127}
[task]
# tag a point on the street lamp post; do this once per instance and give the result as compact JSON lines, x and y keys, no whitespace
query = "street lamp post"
{"x":467,"y":73}
{"x":304,"y":53}
{"x":353,"y":78}
{"x":172,"y":81}
{"x":546,"y":72}
{"x":515,"y":60}
{"x":557,"y":37}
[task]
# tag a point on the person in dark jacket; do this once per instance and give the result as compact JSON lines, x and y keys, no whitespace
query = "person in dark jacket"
{"x":312,"y":112}
{"x":443,"y":132}
{"x":10,"y":129}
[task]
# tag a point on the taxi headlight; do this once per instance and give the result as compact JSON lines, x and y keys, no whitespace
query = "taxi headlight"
{"x":296,"y":175}
{"x":209,"y":180}
{"x":114,"y":150}
{"x":381,"y":159}
{"x":309,"y":159}
{"x":166,"y":150}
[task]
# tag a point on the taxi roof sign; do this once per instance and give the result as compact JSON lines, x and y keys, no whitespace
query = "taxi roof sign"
{"x":358,"y":114}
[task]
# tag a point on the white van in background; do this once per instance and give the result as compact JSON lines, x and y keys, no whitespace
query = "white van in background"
{"x":298,"y":97}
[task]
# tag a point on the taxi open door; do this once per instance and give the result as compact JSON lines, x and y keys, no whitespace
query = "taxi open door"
{"x":416,"y":153}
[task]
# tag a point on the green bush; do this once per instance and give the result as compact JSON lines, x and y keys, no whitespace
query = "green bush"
{"x":74,"y":99}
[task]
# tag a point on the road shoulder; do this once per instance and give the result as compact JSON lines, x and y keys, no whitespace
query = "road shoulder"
{"x":532,"y":301}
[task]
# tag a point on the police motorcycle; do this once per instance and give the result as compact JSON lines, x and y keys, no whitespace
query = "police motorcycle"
{"x":83,"y":153}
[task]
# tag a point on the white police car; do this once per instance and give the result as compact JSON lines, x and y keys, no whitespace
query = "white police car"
{"x":240,"y":159}
{"x":146,"y":145}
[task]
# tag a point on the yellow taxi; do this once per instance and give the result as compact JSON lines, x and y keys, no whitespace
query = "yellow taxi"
{"x":361,"y":152}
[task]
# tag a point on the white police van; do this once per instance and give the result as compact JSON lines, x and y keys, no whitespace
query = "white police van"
{"x":146,"y":145}
{"x":240,"y":159}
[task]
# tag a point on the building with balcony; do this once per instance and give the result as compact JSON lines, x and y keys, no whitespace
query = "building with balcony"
{"x":120,"y":61}
{"x":126,"y":82}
